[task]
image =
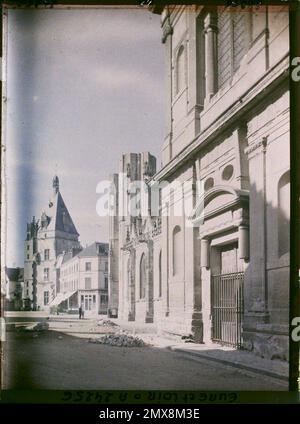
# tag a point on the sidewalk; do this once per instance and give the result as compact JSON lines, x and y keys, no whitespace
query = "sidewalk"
{"x":237,"y":359}
{"x":212,"y":352}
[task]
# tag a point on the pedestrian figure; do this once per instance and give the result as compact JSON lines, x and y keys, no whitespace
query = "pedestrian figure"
{"x":80,"y":312}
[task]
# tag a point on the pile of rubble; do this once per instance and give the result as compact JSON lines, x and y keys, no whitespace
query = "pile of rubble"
{"x":106,"y":323}
{"x":188,"y":339}
{"x":120,"y":340}
{"x":40,"y":326}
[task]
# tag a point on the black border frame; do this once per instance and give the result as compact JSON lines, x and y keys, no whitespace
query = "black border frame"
{"x":54,"y":396}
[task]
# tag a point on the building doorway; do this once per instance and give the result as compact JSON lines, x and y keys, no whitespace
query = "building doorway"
{"x":227,"y":283}
{"x":89,"y":304}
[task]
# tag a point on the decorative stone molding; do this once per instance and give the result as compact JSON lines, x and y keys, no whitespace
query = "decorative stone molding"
{"x":210,"y":22}
{"x":156,"y":226}
{"x":167,"y":30}
{"x":256,"y":148}
{"x":215,"y":230}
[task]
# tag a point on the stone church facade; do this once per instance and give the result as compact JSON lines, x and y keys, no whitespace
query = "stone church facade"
{"x":221,"y":271}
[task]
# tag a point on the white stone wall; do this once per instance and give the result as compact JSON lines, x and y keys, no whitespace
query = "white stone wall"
{"x":228,"y":125}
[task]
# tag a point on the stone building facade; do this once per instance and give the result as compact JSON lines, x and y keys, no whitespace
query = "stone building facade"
{"x":220,"y":269}
{"x":83,"y":280}
{"x":136,"y":244}
{"x":46,"y":238}
{"x":113,"y":263}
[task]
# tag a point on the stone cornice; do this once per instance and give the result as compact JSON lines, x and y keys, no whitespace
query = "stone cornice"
{"x":222,"y":227}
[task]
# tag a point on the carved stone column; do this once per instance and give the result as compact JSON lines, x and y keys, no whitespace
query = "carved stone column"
{"x":149,"y":289}
{"x":204,"y":253}
{"x":210,"y":31}
{"x":243,"y":242}
{"x":132,"y":300}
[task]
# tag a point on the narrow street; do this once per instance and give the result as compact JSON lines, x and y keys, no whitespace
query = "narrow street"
{"x":56,"y":360}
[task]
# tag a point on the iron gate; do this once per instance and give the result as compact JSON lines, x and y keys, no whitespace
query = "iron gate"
{"x":227,"y":308}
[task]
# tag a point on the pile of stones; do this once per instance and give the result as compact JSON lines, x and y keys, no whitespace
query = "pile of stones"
{"x":188,"y":339}
{"x":120,"y":340}
{"x":106,"y":323}
{"x":40,"y":326}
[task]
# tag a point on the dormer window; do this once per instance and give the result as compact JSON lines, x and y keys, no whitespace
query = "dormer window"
{"x":44,"y":220}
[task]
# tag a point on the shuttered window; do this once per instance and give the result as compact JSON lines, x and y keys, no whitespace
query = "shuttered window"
{"x":239,"y":38}
{"x":224,"y":48}
{"x":232,"y":43}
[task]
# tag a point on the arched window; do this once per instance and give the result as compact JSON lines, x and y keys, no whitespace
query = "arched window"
{"x":143,"y":276}
{"x":180,"y":71}
{"x":284,"y":214}
{"x":177,"y":250}
{"x":159,"y":276}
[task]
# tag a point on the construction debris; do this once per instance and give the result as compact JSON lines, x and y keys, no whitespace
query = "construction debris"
{"x":106,"y":323}
{"x":40,"y":326}
{"x":188,"y":339}
{"x":120,"y":340}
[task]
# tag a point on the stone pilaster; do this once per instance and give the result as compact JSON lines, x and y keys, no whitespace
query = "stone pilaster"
{"x":149,"y":291}
{"x":243,"y":242}
{"x":210,"y":31}
{"x":205,"y":253}
{"x":131,"y":311}
{"x":256,"y":284}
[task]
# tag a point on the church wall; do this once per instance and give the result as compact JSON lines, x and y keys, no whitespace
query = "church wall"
{"x":189,"y":114}
{"x":123,"y":276}
{"x":178,"y":269}
{"x":267,"y":282}
{"x":158,"y":304}
{"x":113,"y":258}
{"x":241,"y":157}
{"x":278,"y":24}
{"x":140,"y":303}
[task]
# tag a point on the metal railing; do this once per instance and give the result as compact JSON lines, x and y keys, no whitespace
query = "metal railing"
{"x":227,"y":308}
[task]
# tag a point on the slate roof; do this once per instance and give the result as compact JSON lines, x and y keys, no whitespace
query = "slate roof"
{"x":94,"y":249}
{"x":70,"y":254}
{"x":15,"y":274}
{"x":58,"y":216}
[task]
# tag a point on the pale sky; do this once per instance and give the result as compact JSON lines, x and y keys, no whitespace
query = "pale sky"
{"x":83,"y":87}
